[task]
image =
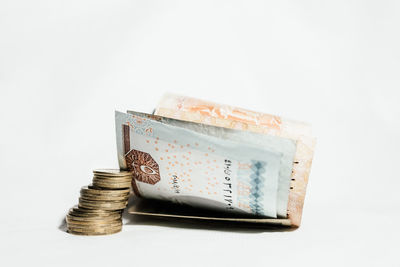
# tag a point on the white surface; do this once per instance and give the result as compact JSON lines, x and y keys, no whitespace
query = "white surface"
{"x":65,"y":67}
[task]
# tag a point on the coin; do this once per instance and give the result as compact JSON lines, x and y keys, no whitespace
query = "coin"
{"x":112,"y":177}
{"x":100,"y":191}
{"x":111,"y":180}
{"x":95,"y":218}
{"x":111,"y":172}
{"x":93,"y":224}
{"x":101,"y":202}
{"x":104,"y":197}
{"x":111,"y":185}
{"x":115,"y":181}
{"x":93,"y":227}
{"x":95,"y":233}
{"x":102,"y":205}
{"x":129,"y":176}
{"x":83,"y":212}
{"x":104,"y":231}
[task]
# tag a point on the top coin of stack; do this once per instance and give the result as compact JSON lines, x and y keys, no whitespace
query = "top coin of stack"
{"x":101,"y":204}
{"x":111,"y":179}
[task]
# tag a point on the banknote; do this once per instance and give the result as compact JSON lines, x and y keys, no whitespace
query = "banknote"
{"x":201,"y":165}
{"x":284,"y":146}
{"x":206,"y":112}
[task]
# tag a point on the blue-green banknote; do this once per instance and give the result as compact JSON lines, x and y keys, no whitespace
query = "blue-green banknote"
{"x":205,"y":166}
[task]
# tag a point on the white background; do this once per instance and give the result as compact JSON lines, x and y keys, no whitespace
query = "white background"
{"x":66,"y":66}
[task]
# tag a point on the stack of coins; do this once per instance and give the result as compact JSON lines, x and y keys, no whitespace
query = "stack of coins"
{"x":100,"y":207}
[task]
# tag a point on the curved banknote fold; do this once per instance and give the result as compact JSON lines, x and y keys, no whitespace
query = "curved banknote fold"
{"x":202,"y":165}
{"x":206,"y":112}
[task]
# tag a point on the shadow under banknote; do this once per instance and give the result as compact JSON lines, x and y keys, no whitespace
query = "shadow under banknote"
{"x":165,"y":214}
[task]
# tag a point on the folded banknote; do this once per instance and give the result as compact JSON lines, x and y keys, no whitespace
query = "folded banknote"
{"x":205,"y":112}
{"x":205,"y":166}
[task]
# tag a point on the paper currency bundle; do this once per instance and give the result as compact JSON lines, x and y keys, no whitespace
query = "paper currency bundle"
{"x":217,"y":157}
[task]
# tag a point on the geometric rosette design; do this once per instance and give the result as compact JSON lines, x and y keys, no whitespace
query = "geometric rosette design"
{"x":144,"y":168}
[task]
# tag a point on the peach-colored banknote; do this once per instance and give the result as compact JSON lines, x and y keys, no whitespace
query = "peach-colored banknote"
{"x":196,"y":110}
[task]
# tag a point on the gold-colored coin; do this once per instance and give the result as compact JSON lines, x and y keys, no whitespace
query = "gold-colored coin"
{"x":104,"y":197}
{"x":94,"y":213}
{"x":130,"y":176}
{"x":90,"y":189}
{"x":96,"y":218}
{"x":113,"y":177}
{"x":111,"y":172}
{"x":106,"y":231}
{"x":93,"y":227}
{"x":76,"y":223}
{"x":101,"y":202}
{"x":111,"y":180}
{"x":111,"y":185}
{"x":94,"y":230}
{"x":116,"y":179}
{"x":102,"y":205}
{"x":79,"y":210}
{"x":83,"y":212}
{"x":95,"y":233}
{"x":96,"y":222}
{"x":96,"y":181}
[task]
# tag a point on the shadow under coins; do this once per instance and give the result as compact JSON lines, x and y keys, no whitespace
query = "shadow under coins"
{"x":63,"y":225}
